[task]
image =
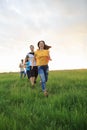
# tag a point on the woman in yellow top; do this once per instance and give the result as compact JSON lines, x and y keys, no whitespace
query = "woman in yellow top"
{"x":42,"y":58}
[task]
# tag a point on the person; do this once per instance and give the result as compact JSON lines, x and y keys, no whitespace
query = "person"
{"x":42,"y":58}
{"x":27,"y":66}
{"x":22,"y":72}
{"x":34,"y":71}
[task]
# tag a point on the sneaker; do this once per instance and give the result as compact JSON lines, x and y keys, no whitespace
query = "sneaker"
{"x":45,"y":93}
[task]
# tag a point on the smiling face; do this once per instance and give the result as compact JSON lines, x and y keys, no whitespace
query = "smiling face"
{"x":32,"y":48}
{"x":41,"y":45}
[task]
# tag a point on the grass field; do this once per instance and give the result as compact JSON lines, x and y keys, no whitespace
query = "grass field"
{"x":24,"y":108}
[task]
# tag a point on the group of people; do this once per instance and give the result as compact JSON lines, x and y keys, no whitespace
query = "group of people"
{"x":36,"y":63}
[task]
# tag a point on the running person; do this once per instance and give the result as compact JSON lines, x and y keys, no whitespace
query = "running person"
{"x":22,"y":71}
{"x":27,"y":66}
{"x":34,"y":71}
{"x":42,"y":58}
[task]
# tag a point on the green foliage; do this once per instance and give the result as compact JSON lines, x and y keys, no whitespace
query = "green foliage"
{"x":24,"y":108}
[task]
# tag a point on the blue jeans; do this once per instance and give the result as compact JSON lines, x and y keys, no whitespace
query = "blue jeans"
{"x":28,"y":73}
{"x":43,"y":72}
{"x":22,"y":73}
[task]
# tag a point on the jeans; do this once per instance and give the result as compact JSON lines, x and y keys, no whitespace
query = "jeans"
{"x":43,"y":72}
{"x":28,"y":73}
{"x":22,"y":73}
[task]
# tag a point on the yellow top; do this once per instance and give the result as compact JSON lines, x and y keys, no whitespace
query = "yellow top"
{"x":42,"y":57}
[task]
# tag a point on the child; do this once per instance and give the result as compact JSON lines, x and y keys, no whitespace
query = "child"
{"x":21,"y":66}
{"x":27,"y":66}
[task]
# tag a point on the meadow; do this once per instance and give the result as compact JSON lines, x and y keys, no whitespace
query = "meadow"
{"x":24,"y":108}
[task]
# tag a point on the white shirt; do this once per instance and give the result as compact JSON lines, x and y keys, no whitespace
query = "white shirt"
{"x":21,"y":67}
{"x":31,"y":56}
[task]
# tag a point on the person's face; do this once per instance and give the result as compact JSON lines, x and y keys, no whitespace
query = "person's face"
{"x":32,"y":48}
{"x":22,"y":61}
{"x":41,"y":45}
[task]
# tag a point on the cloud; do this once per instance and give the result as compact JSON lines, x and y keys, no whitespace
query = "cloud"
{"x":48,"y":14}
{"x":62,"y":24}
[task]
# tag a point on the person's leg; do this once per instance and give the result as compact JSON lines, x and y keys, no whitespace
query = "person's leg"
{"x":20,"y":74}
{"x":28,"y":74}
{"x":24,"y":73}
{"x":32,"y":77}
{"x":42,"y":76}
{"x":46,"y":70}
{"x":36,"y":73}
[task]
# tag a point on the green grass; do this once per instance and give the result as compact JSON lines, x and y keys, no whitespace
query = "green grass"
{"x":24,"y":108}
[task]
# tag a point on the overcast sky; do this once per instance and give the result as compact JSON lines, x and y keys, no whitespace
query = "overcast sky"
{"x":60,"y":23}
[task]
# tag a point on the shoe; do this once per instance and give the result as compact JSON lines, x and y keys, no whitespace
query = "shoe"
{"x":45,"y":93}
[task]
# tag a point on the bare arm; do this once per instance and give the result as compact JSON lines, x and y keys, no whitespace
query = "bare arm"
{"x":49,"y":57}
{"x":33,"y":60}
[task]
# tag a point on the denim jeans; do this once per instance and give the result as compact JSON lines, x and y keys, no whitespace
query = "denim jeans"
{"x":43,"y":72}
{"x":22,"y":74}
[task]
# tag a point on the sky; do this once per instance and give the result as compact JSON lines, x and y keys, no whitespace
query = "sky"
{"x":60,"y":23}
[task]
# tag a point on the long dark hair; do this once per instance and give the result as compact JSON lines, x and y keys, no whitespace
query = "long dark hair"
{"x":46,"y":47}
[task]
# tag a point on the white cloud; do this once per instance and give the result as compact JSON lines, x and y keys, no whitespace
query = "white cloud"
{"x":62,"y":24}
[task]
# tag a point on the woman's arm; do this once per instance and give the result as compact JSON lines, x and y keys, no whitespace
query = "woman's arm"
{"x":49,"y":58}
